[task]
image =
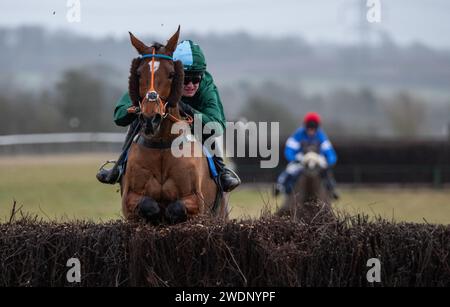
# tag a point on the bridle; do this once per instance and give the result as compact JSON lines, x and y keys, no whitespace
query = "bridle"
{"x":152,"y":95}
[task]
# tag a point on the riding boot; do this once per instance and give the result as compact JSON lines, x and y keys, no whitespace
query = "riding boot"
{"x":283,"y":184}
{"x":229,"y":180}
{"x":287,"y":179}
{"x":111,"y":176}
{"x":280,"y":186}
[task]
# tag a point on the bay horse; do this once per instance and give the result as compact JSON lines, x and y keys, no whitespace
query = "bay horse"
{"x":157,"y":186}
{"x":309,"y":197}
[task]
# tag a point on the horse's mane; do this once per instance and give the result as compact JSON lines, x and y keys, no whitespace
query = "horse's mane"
{"x":177,"y":82}
{"x":133,"y":82}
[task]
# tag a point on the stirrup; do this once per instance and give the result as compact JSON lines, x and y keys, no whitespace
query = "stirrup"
{"x":108,"y":176}
{"x":234,"y":174}
{"x":231,"y":174}
{"x":102,"y":167}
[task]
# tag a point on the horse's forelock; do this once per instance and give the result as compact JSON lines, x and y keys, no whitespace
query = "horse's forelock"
{"x":157,"y":46}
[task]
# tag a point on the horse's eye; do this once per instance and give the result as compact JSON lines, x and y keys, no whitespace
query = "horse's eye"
{"x":171,"y":75}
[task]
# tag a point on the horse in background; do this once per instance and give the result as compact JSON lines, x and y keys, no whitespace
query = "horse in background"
{"x":157,"y":186}
{"x":309,"y":197}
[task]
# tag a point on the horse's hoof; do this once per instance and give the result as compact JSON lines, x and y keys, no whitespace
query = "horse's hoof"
{"x":176,"y":213}
{"x":149,"y":210}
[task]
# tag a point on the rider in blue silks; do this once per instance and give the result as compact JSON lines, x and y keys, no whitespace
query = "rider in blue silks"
{"x":311,"y":134}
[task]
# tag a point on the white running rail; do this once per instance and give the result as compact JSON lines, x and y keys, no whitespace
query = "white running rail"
{"x":52,"y":138}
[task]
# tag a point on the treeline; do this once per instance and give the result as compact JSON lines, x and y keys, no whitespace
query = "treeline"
{"x":78,"y":102}
{"x":348,"y":113}
{"x":83,"y":100}
{"x":237,"y":55}
{"x":60,"y":82}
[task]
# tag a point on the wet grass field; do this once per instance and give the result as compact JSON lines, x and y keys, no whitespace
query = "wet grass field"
{"x":65,"y":188}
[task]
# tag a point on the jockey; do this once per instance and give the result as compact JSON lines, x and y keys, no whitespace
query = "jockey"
{"x":200,"y":97}
{"x":310,"y":134}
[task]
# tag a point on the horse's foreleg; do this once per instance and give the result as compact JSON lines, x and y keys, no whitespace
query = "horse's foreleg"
{"x":149,"y":210}
{"x":193,"y":204}
{"x":176,"y":212}
{"x":180,"y":210}
{"x":129,"y":203}
{"x":135,"y":205}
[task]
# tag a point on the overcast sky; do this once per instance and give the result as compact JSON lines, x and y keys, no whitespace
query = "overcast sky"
{"x":406,"y":21}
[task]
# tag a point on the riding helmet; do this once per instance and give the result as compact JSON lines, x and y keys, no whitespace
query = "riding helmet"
{"x":312,"y":120}
{"x":191,"y":55}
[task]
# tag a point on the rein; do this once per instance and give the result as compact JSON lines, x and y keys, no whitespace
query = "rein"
{"x":153,"y":96}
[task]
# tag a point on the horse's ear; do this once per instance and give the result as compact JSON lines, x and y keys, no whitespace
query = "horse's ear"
{"x":173,"y":41}
{"x":140,"y":46}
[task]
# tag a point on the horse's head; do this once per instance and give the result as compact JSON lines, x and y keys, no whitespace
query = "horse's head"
{"x":156,"y":81}
{"x":313,"y":163}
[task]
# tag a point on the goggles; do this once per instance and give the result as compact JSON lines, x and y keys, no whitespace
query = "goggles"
{"x":195,"y":79}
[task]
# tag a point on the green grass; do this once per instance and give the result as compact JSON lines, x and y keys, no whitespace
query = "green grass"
{"x":65,"y":188}
{"x":399,"y":204}
{"x":55,"y":187}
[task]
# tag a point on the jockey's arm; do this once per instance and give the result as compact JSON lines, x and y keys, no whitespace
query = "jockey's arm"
{"x":210,"y":108}
{"x":293,"y":146}
{"x":328,"y":151}
{"x":121,"y":115}
{"x":209,"y":116}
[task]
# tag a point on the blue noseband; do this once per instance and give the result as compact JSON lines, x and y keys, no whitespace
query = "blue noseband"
{"x":157,"y":56}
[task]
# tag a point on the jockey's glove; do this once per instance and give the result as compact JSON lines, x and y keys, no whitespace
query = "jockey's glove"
{"x":323,"y":162}
{"x":187,"y":109}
